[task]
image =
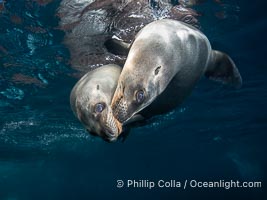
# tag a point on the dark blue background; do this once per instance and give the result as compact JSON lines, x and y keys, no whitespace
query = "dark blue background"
{"x":218,"y":134}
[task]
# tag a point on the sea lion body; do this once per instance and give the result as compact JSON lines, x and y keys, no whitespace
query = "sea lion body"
{"x":165,"y":61}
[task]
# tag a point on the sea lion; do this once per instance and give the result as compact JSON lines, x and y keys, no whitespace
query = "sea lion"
{"x":165,"y":61}
{"x":90,"y":101}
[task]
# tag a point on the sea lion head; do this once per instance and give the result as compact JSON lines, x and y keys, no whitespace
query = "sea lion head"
{"x":141,"y":80}
{"x":90,"y":101}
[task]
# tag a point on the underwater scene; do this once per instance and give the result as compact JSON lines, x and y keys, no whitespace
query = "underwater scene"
{"x":211,"y":146}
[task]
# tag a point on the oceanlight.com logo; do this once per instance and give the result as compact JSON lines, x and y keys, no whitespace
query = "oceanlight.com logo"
{"x":148,"y":184}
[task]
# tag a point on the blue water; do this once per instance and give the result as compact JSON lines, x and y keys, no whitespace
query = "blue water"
{"x":218,"y":133}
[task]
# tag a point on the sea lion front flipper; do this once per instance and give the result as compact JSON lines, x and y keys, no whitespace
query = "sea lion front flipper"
{"x":117,"y":47}
{"x":223,"y":69}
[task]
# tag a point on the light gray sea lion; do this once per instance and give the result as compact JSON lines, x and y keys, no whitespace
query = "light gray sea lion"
{"x":165,"y":62}
{"x":90,"y":101}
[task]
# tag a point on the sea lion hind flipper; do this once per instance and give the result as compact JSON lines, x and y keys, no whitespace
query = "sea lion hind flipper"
{"x":117,"y":47}
{"x":223,"y":69}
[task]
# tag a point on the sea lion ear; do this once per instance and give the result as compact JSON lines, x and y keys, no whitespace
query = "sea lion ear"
{"x":222,"y":69}
{"x":117,"y":47}
{"x":156,"y":71}
{"x":159,"y":80}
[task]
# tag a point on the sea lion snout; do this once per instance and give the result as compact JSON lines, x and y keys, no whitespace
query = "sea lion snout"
{"x":113,"y":128}
{"x":119,"y":104}
{"x":119,"y":108}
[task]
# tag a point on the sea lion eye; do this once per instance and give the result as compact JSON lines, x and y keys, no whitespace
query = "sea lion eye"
{"x":99,"y":107}
{"x":140,"y":96}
